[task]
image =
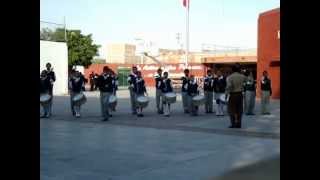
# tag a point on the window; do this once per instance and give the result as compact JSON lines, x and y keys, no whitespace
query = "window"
{"x":275,"y":63}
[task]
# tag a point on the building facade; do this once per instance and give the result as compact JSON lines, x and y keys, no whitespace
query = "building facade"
{"x":269,"y":49}
{"x":122,"y":53}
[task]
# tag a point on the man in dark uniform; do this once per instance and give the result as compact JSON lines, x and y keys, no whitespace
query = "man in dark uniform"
{"x":96,"y":76}
{"x":234,"y":90}
{"x":158,"y":80}
{"x":52,"y":77}
{"x":45,"y":85}
{"x":76,"y":85}
{"x":219,"y":90}
{"x":250,"y":93}
{"x":131,"y":80}
{"x":208,"y":92}
{"x":192,"y":91}
{"x":72,"y":75}
{"x":184,"y":91}
{"x":139,"y":89}
{"x":266,"y":92}
{"x":166,"y":87}
{"x":106,"y":87}
{"x":91,"y":77}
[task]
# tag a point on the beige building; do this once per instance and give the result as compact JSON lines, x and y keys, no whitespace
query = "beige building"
{"x":126,"y":54}
{"x":122,"y":53}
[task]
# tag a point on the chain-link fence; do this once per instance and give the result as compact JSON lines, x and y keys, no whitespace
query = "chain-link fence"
{"x":50,"y":31}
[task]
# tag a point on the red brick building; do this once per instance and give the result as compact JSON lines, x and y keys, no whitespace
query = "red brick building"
{"x":268,"y":54}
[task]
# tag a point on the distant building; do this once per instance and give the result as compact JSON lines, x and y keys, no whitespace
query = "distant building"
{"x":122,"y":54}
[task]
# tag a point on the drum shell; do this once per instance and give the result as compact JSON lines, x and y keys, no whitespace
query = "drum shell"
{"x":196,"y":101}
{"x":142,"y":104}
{"x":168,"y":98}
{"x":80,"y":101}
{"x":46,"y":101}
{"x":111,"y":103}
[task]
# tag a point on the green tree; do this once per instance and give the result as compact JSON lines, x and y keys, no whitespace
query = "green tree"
{"x":81,"y":48}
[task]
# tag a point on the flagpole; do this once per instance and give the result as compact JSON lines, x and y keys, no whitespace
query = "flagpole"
{"x":187,"y":34}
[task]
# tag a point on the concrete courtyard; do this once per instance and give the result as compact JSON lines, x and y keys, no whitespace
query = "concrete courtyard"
{"x":179,"y":147}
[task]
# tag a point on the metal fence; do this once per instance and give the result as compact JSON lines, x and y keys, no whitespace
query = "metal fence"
{"x":51,"y":31}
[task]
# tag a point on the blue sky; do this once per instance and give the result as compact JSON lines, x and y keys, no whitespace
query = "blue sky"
{"x":222,"y":22}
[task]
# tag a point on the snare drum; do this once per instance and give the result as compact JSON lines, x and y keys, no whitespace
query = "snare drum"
{"x":79,"y":99}
{"x":112,"y":101}
{"x":45,"y":98}
{"x":223,"y":99}
{"x":170,"y":97}
{"x":142,"y":101}
{"x":198,"y":100}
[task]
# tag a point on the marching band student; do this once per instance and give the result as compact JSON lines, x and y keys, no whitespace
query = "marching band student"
{"x":250,"y":93}
{"x":91,"y":81}
{"x":208,"y":91}
{"x":106,"y":87}
{"x":192,"y":91}
{"x":166,"y":87}
{"x":159,"y":98}
{"x":52,"y":77}
{"x":140,"y":90}
{"x":72,"y":74}
{"x":184,"y":91}
{"x":219,"y":87}
{"x":115,"y":83}
{"x":44,"y":89}
{"x":76,"y":84}
{"x":132,"y":80}
{"x":266,"y":92}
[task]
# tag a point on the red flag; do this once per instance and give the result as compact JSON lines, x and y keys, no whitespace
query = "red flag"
{"x":186,"y":3}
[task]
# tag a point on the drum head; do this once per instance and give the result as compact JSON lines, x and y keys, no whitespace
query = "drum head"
{"x":222,"y":97}
{"x":170,"y":95}
{"x":198,"y":98}
{"x":78,"y":97}
{"x":44,"y":97}
{"x":112,"y":99}
{"x":142,"y":99}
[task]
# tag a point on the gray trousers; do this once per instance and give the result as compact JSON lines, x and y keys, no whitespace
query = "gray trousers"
{"x":159,"y":100}
{"x":192,"y":109}
{"x":50,"y":102}
{"x":265,"y":100}
{"x":133,"y":100}
{"x":208,"y":95}
{"x":220,"y":105}
{"x":45,"y":108}
{"x":104,"y":104}
{"x":250,"y":99}
{"x":71,"y":102}
{"x":185,"y":101}
{"x":166,"y":107}
{"x":74,"y":108}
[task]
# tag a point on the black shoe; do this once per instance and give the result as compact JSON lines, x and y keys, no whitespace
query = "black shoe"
{"x":210,"y":112}
{"x":134,"y":113}
{"x":43,"y":116}
{"x":186,"y":111}
{"x":105,"y":119}
{"x":110,"y":115}
{"x":238,"y":126}
{"x":140,"y":115}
